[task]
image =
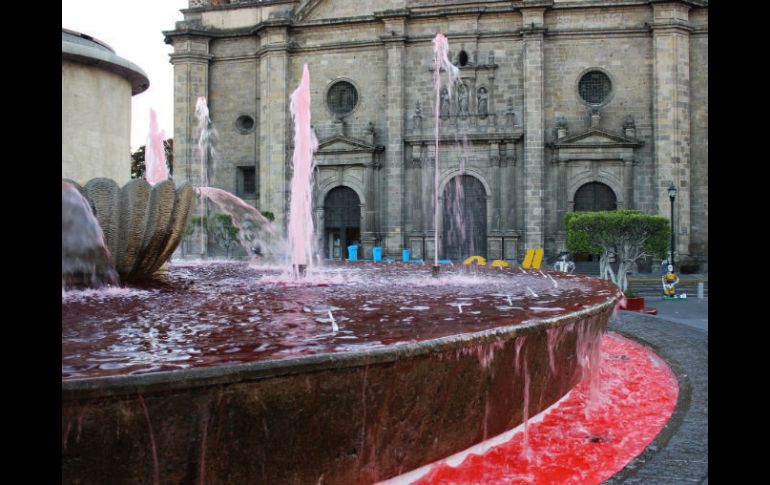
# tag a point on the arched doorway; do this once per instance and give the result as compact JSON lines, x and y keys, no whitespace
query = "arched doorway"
{"x":342,"y":221}
{"x":464,"y":221}
{"x":595,"y":196}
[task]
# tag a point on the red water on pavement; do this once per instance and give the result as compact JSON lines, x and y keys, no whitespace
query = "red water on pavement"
{"x":638,"y":393}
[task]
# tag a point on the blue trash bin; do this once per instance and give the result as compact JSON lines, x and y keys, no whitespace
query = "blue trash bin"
{"x":353,"y":252}
{"x":377,"y":253}
{"x":405,"y":254}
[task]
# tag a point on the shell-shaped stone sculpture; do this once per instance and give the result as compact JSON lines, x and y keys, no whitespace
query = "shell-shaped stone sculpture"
{"x":142,"y":224}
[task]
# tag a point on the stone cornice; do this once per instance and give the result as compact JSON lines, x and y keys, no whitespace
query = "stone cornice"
{"x":393,"y":13}
{"x":691,"y":3}
{"x":190,"y":57}
{"x":196,"y":29}
{"x":235,"y":6}
{"x":671,"y":25}
{"x":509,"y":136}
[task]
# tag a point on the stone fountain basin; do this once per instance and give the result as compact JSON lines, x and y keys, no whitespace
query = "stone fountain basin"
{"x":336,"y":416}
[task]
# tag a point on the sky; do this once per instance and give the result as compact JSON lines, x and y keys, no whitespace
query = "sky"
{"x":133,"y":28}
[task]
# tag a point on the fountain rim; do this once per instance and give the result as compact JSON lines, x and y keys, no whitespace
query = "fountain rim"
{"x":163,"y":382}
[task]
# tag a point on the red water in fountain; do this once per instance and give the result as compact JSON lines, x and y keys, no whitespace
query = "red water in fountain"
{"x":305,"y":144}
{"x":638,"y":394}
{"x":203,"y":315}
{"x":156,"y":169}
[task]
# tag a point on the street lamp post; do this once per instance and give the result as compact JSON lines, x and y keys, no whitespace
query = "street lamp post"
{"x":672,"y":196}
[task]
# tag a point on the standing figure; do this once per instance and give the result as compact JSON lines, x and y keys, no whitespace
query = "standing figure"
{"x":444,"y":108}
{"x":670,"y":280}
{"x":483,"y":108}
{"x":462,"y":94}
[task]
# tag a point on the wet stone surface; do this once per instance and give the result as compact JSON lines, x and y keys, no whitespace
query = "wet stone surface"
{"x":202,"y":315}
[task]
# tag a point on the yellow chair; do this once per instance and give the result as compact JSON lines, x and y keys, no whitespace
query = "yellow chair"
{"x":538,"y":258}
{"x":533,"y":259}
{"x":499,"y":263}
{"x":475,"y":259}
{"x":527,"y":263}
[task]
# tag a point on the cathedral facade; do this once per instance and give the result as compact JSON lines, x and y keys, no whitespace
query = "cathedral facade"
{"x":562,"y":105}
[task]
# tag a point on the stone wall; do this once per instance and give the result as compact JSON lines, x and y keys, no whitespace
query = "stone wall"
{"x":95,"y":141}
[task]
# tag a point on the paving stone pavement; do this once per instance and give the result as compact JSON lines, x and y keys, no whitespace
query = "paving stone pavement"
{"x":679,"y":454}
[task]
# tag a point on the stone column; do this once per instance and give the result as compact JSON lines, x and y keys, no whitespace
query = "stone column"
{"x":393,"y":168}
{"x":497,"y":171}
{"x":671,"y":112}
{"x":561,"y":201}
{"x":191,"y":60}
{"x":191,"y":80}
{"x":534,"y":128}
{"x":275,"y":133}
{"x":628,"y":182}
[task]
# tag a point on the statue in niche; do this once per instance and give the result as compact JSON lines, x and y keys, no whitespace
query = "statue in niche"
{"x":483,"y":106}
{"x":629,"y":126}
{"x":444,"y":107}
{"x":462,"y":99}
{"x":510,"y":115}
{"x":417,"y":117}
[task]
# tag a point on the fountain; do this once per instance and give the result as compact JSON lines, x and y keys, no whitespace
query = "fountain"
{"x":228,"y":373}
{"x":140,"y":224}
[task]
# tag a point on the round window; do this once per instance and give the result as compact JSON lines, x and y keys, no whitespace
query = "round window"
{"x":594,"y":87}
{"x":244,"y":124}
{"x":342,"y":98}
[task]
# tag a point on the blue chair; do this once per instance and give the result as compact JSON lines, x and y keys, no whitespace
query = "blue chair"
{"x":353,"y":252}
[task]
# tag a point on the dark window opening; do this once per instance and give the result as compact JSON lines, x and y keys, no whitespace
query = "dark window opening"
{"x":247,"y":181}
{"x":463,"y":58}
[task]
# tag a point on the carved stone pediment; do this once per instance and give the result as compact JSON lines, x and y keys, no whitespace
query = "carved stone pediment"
{"x":341,"y":150}
{"x":597,"y":138}
{"x":340,"y":144}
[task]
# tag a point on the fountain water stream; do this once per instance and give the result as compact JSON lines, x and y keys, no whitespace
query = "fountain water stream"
{"x":156,"y":168}
{"x":300,"y":231}
{"x":441,"y":61}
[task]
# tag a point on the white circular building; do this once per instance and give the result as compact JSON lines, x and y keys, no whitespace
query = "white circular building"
{"x":96,"y":86}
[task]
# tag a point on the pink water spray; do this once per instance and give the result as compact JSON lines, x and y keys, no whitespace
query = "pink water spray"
{"x":441,"y":59}
{"x":205,"y":135}
{"x":300,"y":237}
{"x":156,"y":169}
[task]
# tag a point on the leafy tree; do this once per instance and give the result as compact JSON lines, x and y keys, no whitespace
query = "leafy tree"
{"x":137,"y":159}
{"x":628,"y":235}
{"x":137,"y":163}
{"x":221,"y":228}
{"x":168,"y":149}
